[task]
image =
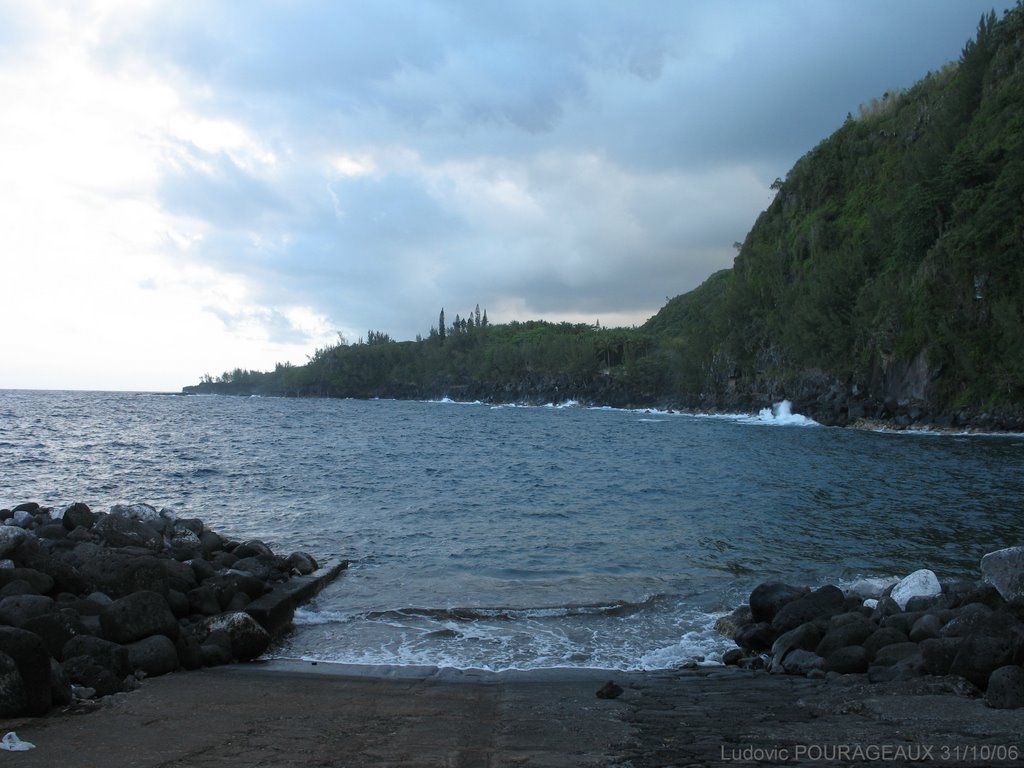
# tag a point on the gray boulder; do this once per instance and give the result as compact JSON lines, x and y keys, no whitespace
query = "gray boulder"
{"x":881,"y":638}
{"x":801,"y":662}
{"x":110,"y":656}
{"x":79,"y":515}
{"x":10,"y":538}
{"x":155,"y":655}
{"x":847,"y":633}
{"x":893,"y":653}
{"x":805,"y":637}
{"x":768,"y":598}
{"x":33,"y":660}
{"x":980,"y":655}
{"x":137,"y":616}
{"x":83,"y":671}
{"x":938,"y":654}
{"x":1004,"y":569}
{"x":122,"y":531}
{"x":821,"y":603}
{"x":13,"y":700}
{"x":755,"y":637}
{"x":17,"y":609}
{"x":852,"y":659}
{"x":301,"y":563}
{"x":248,"y":639}
{"x":926,"y":627}
{"x":1006,"y":688}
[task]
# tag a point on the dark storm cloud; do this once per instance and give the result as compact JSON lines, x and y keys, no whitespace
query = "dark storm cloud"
{"x":588,"y":157}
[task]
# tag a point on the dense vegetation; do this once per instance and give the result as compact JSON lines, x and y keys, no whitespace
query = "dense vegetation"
{"x":885,"y":277}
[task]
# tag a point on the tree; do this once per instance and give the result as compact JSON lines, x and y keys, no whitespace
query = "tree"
{"x":440,"y":326}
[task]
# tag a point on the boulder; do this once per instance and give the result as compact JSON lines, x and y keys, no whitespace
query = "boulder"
{"x":1004,"y":569}
{"x":85,"y":672}
{"x":755,"y":637}
{"x":1006,"y":688}
{"x":882,"y":637}
{"x":851,"y":659}
{"x":110,"y":656}
{"x":17,"y":587}
{"x":203,"y":600}
{"x":10,"y":539}
{"x":926,"y":627}
{"x":13,"y":700}
{"x":893,"y":653}
{"x":60,"y":686}
{"x":154,"y":655}
{"x":136,"y":616}
{"x":922,"y":583}
{"x":17,"y":609}
{"x":121,"y":531}
{"x":252,"y":548}
{"x":301,"y":563}
{"x":870,"y":589}
{"x":906,"y":668}
{"x":248,"y":639}
{"x":141,"y":512}
{"x":79,"y":515}
{"x":260,"y":566}
{"x":845,"y":634}
{"x":731,"y":623}
{"x":821,"y":603}
{"x":33,"y":660}
{"x":55,"y":629}
{"x":980,"y":655}
{"x":119,"y":574}
{"x":805,"y":637}
{"x":801,"y":662}
{"x":938,"y":654}
{"x":768,"y":598}
{"x":972,"y":618}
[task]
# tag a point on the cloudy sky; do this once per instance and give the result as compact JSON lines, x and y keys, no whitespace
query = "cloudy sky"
{"x":190,"y":186}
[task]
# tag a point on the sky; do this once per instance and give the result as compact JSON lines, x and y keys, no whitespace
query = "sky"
{"x":191,"y":186}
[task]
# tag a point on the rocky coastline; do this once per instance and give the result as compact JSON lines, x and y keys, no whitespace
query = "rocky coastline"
{"x":971,"y":631}
{"x":93,"y":602}
{"x":820,"y":398}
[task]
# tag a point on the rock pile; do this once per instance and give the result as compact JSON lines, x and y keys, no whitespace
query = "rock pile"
{"x":914,"y":627}
{"x":90,"y":603}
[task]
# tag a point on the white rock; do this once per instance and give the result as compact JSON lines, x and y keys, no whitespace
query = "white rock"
{"x":870,"y":588}
{"x":1004,"y":570}
{"x":871,"y":603}
{"x":10,"y":538}
{"x":922,"y":583}
{"x":142,"y":512}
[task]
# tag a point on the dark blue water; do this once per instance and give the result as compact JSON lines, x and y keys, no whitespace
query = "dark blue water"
{"x":525,"y":537}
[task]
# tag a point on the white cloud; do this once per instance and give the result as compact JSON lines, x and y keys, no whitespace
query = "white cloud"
{"x":190,"y":188}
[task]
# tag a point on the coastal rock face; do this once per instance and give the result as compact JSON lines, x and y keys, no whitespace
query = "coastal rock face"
{"x":924,"y":627}
{"x":90,"y":602}
{"x":1004,"y":569}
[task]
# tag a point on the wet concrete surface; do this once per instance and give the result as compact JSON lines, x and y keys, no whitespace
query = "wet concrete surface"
{"x":299,"y":714}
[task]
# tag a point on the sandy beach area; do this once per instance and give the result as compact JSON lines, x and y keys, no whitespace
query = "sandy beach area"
{"x":290,"y":713}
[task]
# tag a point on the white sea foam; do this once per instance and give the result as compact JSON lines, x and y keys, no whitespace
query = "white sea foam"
{"x":781,"y":414}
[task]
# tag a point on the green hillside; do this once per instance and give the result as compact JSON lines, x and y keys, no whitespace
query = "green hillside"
{"x":884,"y":281}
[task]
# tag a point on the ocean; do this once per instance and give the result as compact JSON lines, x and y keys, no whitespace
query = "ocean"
{"x":502,"y":537}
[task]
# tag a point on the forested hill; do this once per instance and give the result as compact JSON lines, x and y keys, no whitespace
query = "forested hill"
{"x":890,"y":263}
{"x":884,"y":281}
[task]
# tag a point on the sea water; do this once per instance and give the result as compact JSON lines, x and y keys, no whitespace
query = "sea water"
{"x":496,"y":537}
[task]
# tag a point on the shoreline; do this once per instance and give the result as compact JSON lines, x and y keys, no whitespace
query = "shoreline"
{"x":290,"y":713}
